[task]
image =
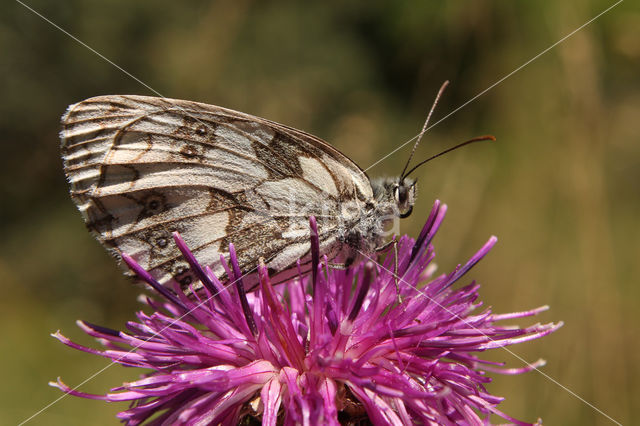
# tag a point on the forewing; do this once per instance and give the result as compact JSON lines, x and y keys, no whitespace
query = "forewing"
{"x":141,"y":168}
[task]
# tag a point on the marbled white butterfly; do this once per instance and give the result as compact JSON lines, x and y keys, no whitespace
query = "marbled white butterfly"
{"x":142,"y":167}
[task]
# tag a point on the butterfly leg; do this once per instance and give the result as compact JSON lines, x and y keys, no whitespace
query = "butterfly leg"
{"x":345,"y":265}
{"x":383,"y":247}
{"x":339,"y":266}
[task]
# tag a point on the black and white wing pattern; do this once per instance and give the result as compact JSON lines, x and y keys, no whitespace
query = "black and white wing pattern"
{"x":142,"y":167}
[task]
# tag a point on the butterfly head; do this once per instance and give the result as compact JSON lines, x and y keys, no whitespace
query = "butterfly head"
{"x":398,"y":192}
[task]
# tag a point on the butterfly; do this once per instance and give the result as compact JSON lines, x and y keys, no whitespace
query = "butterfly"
{"x":141,"y":168}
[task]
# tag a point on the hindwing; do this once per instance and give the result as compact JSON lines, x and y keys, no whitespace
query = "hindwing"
{"x":142,"y":167}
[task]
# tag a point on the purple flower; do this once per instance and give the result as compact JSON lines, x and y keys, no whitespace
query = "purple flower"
{"x":329,"y":348}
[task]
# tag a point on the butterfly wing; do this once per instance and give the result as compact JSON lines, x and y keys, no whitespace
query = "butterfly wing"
{"x":142,"y":167}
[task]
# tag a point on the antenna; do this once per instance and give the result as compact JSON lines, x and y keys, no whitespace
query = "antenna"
{"x":460,"y":145}
{"x":424,"y":129}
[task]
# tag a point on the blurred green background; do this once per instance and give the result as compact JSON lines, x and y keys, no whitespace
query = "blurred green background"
{"x":560,"y":187}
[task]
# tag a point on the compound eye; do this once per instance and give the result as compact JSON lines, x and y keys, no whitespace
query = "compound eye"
{"x":401,"y":196}
{"x":396,"y":193}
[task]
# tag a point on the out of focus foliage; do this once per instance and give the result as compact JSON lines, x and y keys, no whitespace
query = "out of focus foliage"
{"x":560,"y":187}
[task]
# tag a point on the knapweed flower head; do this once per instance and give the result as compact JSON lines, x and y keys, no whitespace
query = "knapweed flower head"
{"x":331,"y":347}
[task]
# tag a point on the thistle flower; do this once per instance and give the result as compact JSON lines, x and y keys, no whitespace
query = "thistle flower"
{"x":329,"y":348}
